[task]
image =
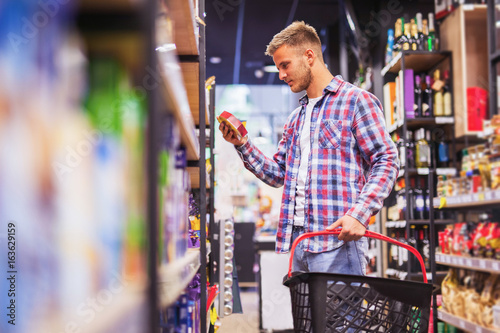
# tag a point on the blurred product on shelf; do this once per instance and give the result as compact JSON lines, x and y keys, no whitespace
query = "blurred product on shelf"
{"x":471,"y":295}
{"x":72,"y":174}
{"x":480,"y":168}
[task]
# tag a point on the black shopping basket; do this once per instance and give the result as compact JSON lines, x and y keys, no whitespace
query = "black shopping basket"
{"x":325,"y":302}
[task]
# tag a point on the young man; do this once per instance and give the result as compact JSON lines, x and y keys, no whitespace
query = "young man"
{"x":336,"y":160}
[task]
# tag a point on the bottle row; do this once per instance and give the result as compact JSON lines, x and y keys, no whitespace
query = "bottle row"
{"x":418,"y":35}
{"x":399,"y":258}
{"x":418,"y":95}
{"x":423,"y":149}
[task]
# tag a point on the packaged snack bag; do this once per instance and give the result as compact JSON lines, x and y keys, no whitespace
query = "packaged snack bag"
{"x":479,"y":240}
{"x":492,"y":240}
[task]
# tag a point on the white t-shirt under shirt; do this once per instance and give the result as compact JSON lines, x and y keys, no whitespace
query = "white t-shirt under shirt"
{"x":305,"y":149}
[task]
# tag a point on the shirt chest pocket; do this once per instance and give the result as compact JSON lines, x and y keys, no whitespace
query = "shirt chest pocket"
{"x":330,"y":134}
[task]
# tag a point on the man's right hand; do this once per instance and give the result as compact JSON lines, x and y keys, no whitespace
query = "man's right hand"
{"x":230,"y":136}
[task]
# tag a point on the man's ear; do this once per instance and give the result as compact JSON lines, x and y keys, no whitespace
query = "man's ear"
{"x":310,"y":56}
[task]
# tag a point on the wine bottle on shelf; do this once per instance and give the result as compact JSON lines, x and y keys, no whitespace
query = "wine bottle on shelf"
{"x":427,"y":202}
{"x":410,"y":150}
{"x":425,"y":34}
{"x":447,"y":95}
{"x":422,"y":150}
{"x":398,"y":33}
{"x":420,"y":32}
{"x":419,"y":203}
{"x":393,"y":253}
{"x":431,"y":144}
{"x":411,"y":200}
{"x":401,"y":202}
{"x":427,"y":99}
{"x":414,"y":36}
{"x":406,"y":37}
{"x":402,"y":152}
{"x":431,"y":37}
{"x":443,"y":154}
{"x":437,"y":86}
{"x":426,"y":246}
{"x":403,"y":253}
{"x":412,"y":241}
{"x":390,"y":46}
{"x":418,"y":97}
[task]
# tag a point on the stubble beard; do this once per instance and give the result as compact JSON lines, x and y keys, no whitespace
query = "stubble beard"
{"x":305,"y":81}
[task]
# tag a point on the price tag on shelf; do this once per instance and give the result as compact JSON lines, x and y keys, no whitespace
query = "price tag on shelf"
{"x":442,"y":202}
{"x":454,"y":260}
{"x":495,"y":265}
{"x":423,"y":171}
{"x":488,"y":195}
{"x":461,"y":261}
{"x":482,"y":264}
{"x":448,"y":259}
{"x":468,"y":262}
{"x":475,"y":197}
{"x":461,"y":323}
{"x":444,"y":120}
{"x":480,"y":196}
{"x":479,"y":329}
{"x":440,"y":315}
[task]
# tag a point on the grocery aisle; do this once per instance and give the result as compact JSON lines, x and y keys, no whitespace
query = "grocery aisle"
{"x":110,"y":178}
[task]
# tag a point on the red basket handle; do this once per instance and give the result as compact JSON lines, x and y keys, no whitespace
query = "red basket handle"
{"x":369,"y":234}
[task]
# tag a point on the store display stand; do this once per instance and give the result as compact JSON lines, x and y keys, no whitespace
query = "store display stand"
{"x":183,"y":94}
{"x":419,"y":61}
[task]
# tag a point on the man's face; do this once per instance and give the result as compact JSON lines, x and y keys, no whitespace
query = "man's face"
{"x":293,"y":68}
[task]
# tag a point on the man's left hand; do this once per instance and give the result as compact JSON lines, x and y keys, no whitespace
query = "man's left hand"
{"x":352,"y":229}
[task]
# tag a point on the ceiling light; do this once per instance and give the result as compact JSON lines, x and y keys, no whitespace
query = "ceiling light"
{"x":215,"y":60}
{"x":271,"y":69}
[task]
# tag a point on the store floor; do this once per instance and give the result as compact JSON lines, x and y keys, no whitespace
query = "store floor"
{"x":248,"y":321}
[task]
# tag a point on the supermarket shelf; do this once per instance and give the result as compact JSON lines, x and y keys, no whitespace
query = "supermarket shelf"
{"x":412,"y":276}
{"x":177,"y":101}
{"x":395,"y":126}
{"x":191,"y":76}
{"x":402,"y":223}
{"x":488,"y":198}
{"x":462,"y":323}
{"x":185,"y":26}
{"x":174,"y":277}
{"x":419,"y":61}
{"x":478,"y":264}
{"x":420,"y":122}
{"x":396,"y":273}
{"x":194,"y":176}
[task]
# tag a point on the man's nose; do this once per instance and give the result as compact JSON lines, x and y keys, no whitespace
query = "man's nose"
{"x":282,"y":75}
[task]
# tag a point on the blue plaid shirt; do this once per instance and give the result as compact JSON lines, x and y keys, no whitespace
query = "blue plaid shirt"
{"x":351,"y":169}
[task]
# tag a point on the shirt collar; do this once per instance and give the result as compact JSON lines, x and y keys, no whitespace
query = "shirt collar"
{"x":332,"y":87}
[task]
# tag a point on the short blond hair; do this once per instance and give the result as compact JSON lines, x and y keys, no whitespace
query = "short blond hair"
{"x":296,"y":35}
